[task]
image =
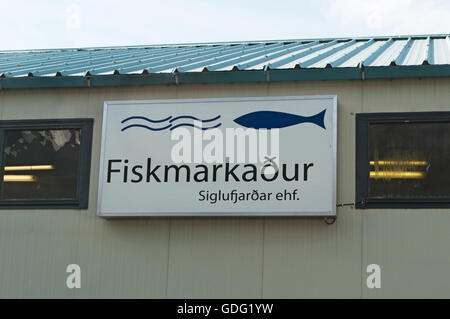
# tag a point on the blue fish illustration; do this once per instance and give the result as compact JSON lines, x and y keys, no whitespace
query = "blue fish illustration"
{"x":272,"y":119}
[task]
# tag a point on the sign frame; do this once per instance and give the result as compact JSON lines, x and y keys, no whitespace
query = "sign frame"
{"x":331,"y":213}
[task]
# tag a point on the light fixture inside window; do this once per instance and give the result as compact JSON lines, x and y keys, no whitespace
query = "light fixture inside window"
{"x":19,"y":178}
{"x":396,"y":174}
{"x":29,"y":168}
{"x":399,"y":163}
{"x":397,"y":169}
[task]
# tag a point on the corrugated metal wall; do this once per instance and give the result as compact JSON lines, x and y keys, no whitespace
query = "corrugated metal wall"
{"x":228,"y":257}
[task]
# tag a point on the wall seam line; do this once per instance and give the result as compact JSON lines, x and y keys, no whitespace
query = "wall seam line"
{"x":362,"y":257}
{"x":262,"y":263}
{"x":168,"y":258}
{"x":362,"y":213}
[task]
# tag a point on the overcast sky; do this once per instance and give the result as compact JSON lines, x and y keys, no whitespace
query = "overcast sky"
{"x":33,"y":24}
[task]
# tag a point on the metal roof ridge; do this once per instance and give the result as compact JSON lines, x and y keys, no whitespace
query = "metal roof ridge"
{"x":169,"y":45}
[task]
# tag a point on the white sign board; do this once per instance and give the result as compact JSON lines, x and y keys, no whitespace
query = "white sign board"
{"x":265,"y":156}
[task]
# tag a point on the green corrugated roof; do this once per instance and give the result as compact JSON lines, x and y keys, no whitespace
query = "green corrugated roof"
{"x":254,"y":61}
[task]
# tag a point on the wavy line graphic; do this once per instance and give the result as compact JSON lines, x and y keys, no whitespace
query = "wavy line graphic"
{"x":194,"y":118}
{"x":146,"y":119}
{"x":192,"y":125}
{"x":171,"y":123}
{"x":147,"y":127}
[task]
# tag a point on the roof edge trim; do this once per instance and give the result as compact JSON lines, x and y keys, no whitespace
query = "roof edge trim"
{"x":276,"y":75}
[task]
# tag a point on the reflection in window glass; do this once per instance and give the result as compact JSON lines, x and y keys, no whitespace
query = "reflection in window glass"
{"x":409,"y":160}
{"x":40,"y":164}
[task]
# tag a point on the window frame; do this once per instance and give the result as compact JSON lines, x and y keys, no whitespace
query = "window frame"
{"x":362,"y":152}
{"x":84,"y":161}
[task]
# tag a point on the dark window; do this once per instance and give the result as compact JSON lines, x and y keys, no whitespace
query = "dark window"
{"x":403,"y":160}
{"x":45,"y":163}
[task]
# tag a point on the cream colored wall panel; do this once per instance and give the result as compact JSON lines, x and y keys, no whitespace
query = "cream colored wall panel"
{"x":2,"y":97}
{"x":306,"y":258}
{"x":228,"y":257}
{"x":122,"y":258}
{"x":194,"y":91}
{"x":412,"y":247}
{"x":416,"y":95}
{"x":118,"y":258}
{"x":215,"y":258}
{"x":35,"y":248}
{"x":47,"y":103}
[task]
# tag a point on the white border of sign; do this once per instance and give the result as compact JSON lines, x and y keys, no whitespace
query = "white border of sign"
{"x":234,"y":214}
